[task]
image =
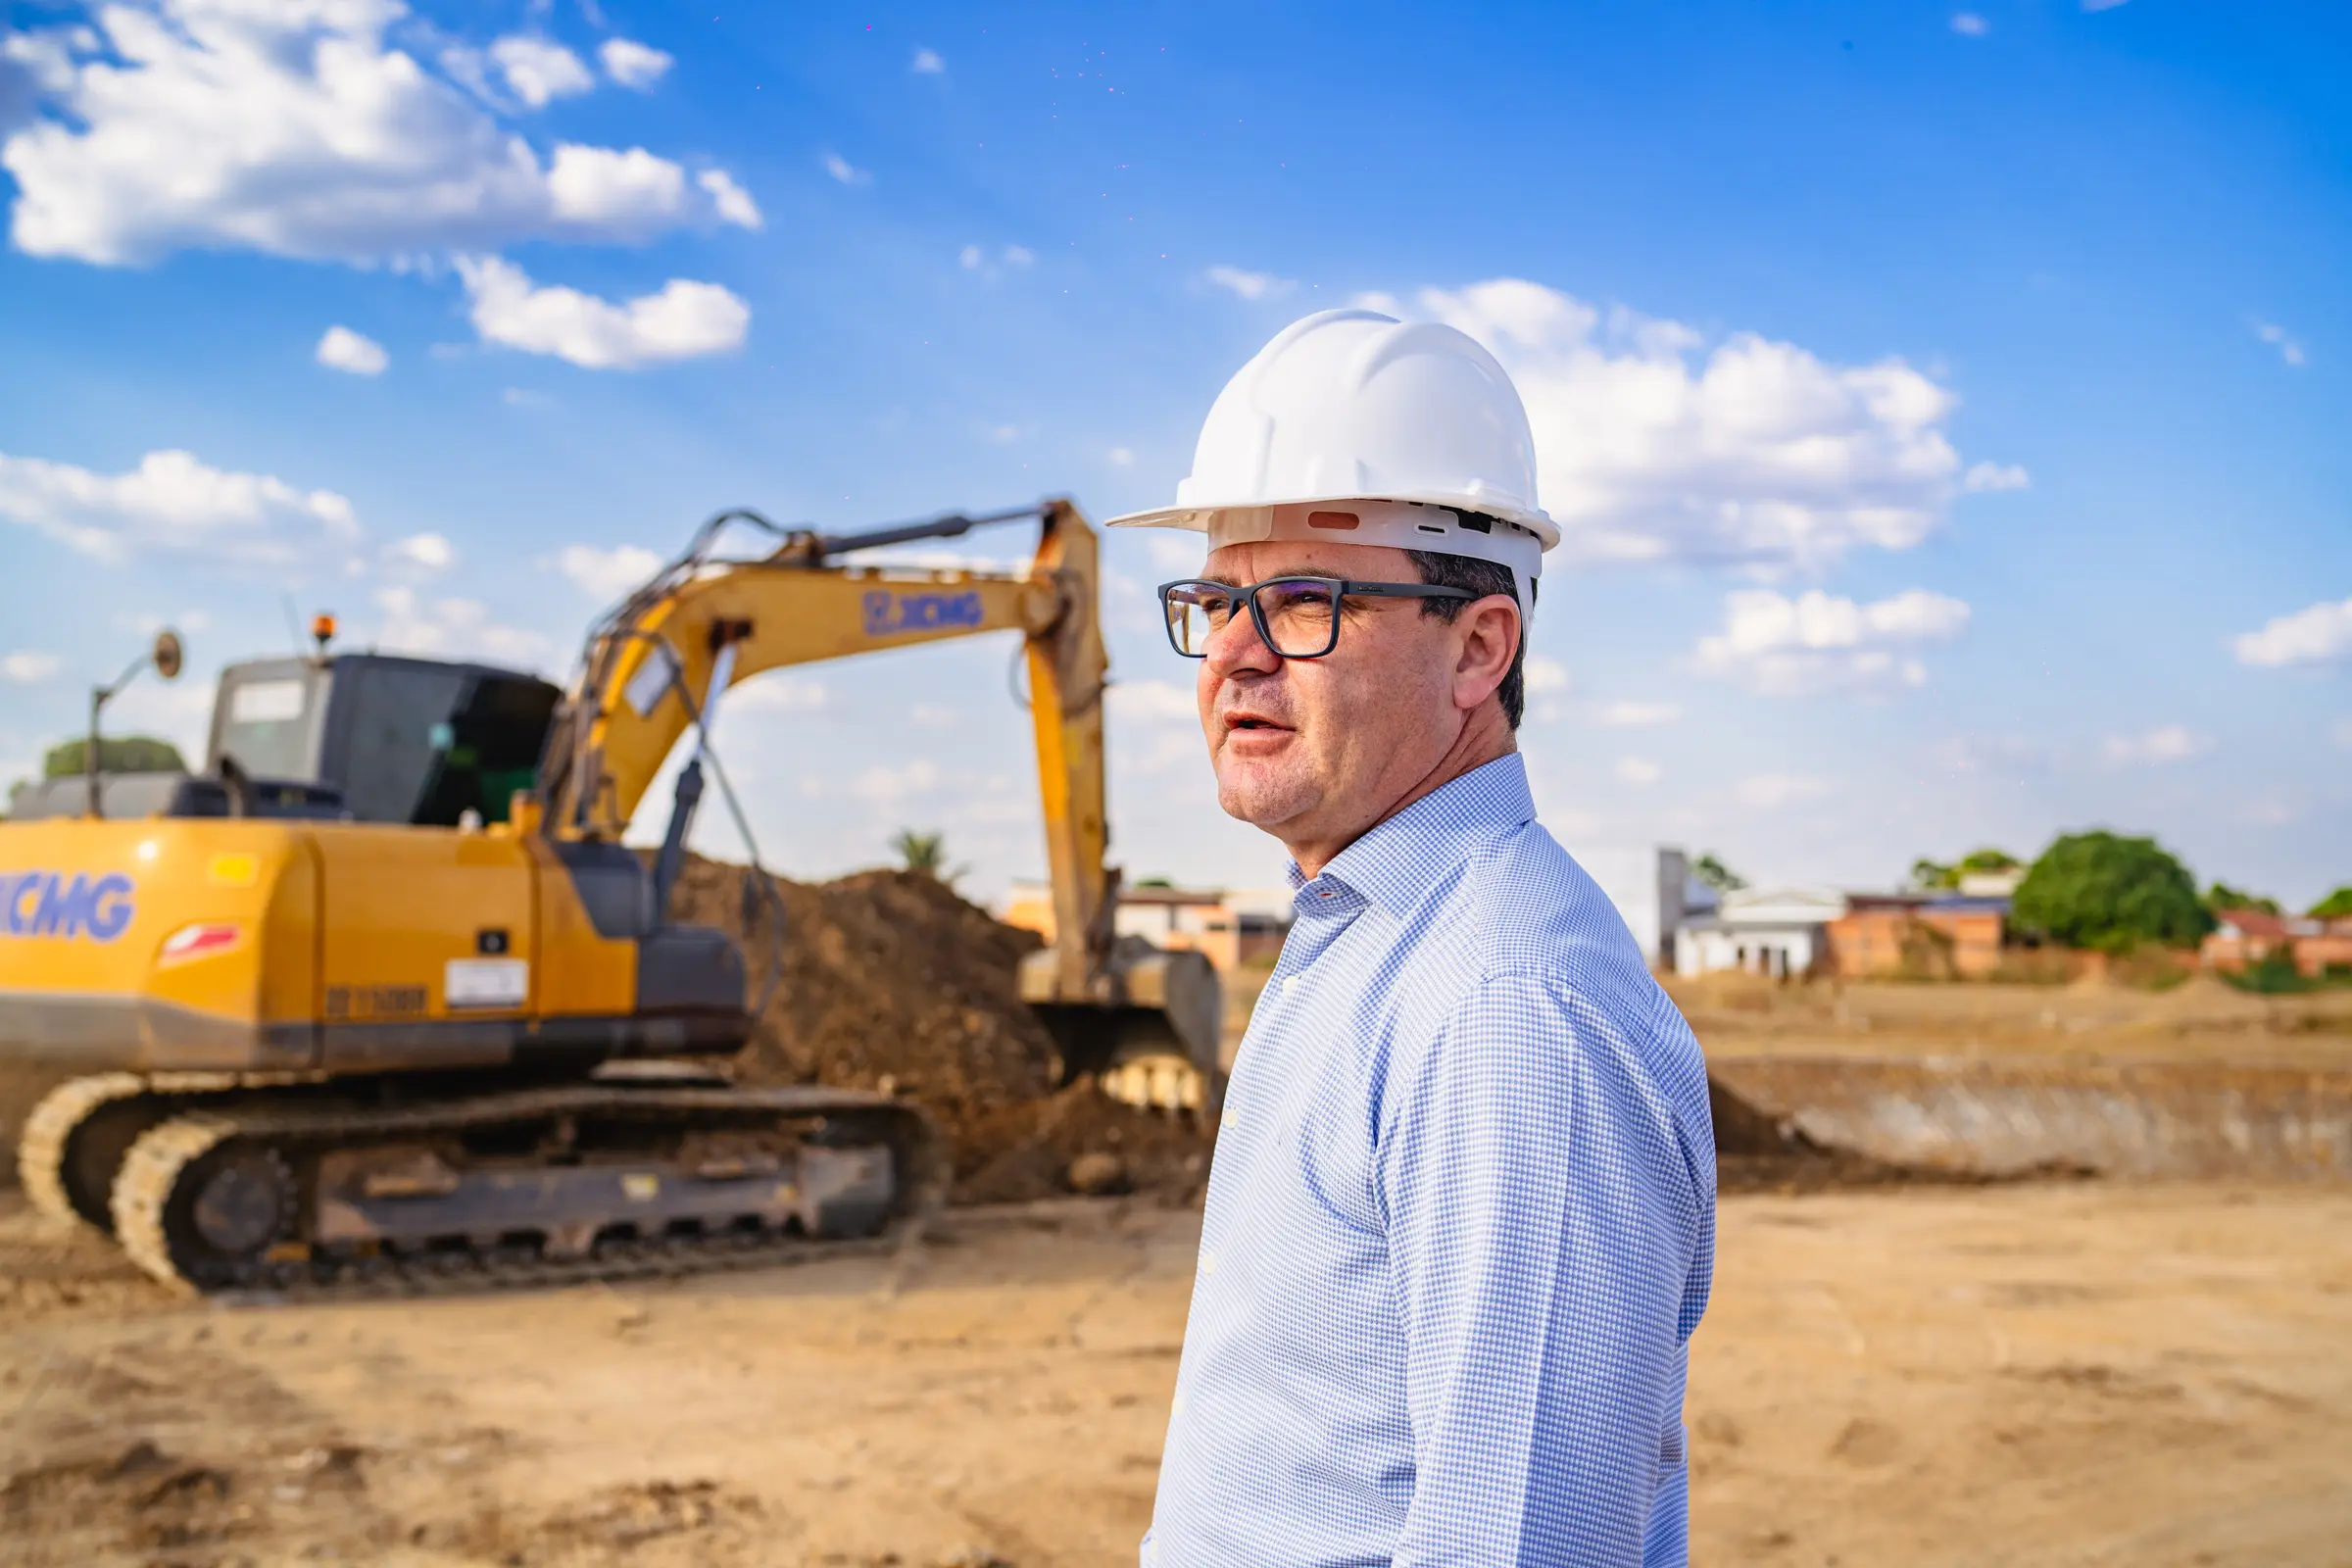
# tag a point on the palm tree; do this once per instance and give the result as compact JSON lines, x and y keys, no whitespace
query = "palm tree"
{"x":926,"y":855}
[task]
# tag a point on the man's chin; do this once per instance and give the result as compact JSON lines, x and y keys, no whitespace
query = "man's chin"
{"x":1262,"y":797}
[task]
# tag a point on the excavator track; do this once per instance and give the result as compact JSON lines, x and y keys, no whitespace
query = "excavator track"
{"x":262,"y":1197}
{"x":50,"y":1164}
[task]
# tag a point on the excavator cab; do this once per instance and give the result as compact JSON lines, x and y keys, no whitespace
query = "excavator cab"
{"x":399,"y":740}
{"x":358,"y":737}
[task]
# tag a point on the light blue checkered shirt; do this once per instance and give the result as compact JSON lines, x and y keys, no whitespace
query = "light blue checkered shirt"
{"x":1460,"y":1227}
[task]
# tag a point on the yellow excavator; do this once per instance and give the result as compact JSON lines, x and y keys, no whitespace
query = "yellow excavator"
{"x":380,"y":997}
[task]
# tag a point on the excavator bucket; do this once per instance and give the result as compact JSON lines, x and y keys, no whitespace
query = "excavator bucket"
{"x":1153,"y":1039}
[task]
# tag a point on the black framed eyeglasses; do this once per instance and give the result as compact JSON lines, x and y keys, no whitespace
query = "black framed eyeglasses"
{"x":1297,"y":616}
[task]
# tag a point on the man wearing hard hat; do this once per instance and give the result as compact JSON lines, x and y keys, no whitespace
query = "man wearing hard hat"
{"x":1461,"y":1223}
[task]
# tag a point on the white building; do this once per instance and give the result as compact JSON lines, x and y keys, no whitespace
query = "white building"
{"x":1779,"y":932}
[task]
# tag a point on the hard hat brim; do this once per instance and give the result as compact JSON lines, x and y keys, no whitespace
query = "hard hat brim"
{"x":1202,"y":519}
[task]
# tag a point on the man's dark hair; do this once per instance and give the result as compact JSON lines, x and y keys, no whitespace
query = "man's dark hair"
{"x":1481,"y":577}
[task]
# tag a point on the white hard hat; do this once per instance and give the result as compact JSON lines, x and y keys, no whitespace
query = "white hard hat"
{"x":1405,"y":427}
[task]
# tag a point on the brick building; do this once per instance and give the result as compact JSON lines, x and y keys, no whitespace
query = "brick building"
{"x":2247,"y":937}
{"x":1920,"y":935}
{"x":1230,"y":929}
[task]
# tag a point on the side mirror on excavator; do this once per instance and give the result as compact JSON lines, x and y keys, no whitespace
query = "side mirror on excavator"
{"x":166,"y":656}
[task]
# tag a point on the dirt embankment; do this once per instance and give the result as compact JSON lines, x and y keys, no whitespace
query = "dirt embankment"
{"x":891,"y":981}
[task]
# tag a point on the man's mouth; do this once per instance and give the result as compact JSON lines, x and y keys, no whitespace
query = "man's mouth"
{"x":1252,"y":721}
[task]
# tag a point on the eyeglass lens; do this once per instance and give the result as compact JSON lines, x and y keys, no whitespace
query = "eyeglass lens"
{"x":1296,"y":614}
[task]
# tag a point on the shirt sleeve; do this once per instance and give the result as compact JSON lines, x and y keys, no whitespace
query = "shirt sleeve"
{"x":1543,"y":1222}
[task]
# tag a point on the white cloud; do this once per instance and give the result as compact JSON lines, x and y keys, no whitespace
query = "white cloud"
{"x":451,"y":628}
{"x":1175,"y":550}
{"x":293,"y":128}
{"x":2101,"y":5}
{"x":684,"y":321}
{"x":607,"y":576}
{"x":1782,"y":647}
{"x":972,"y":259}
{"x":1120,"y":457}
{"x":842,"y":169}
{"x":886,"y":785}
{"x":539,"y":70}
{"x":633,"y":194}
{"x":1996,"y":754}
{"x":2307,"y":637}
{"x":1969,"y":25}
{"x":2167,"y":743}
{"x":1545,"y":676}
{"x":1650,"y":448}
{"x":1155,"y":702}
{"x":421,"y":552}
{"x":173,"y":503}
{"x":1623,"y":714}
{"x":633,"y":64}
{"x":1639,"y":770}
{"x":927,"y":63}
{"x":2276,"y":336}
{"x":342,"y":349}
{"x":1769,"y":791}
{"x":1004,"y":435}
{"x":775,"y":692}
{"x":2271,"y":812}
{"x":1250,"y":285}
{"x":1995,"y":476}
{"x":732,"y":203}
{"x":29,"y":668}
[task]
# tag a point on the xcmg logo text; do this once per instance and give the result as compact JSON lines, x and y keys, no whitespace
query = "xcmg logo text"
{"x":50,"y":904}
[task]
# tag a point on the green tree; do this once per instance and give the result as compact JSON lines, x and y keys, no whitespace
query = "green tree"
{"x":1929,"y":876}
{"x":2103,"y":890}
{"x":2336,"y":905}
{"x":2221,"y":896}
{"x":1933,"y":877}
{"x":926,"y":855}
{"x":116,"y":754}
{"x":1717,"y":875}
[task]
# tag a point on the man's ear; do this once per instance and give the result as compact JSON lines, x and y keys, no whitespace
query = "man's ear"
{"x":1486,"y":639}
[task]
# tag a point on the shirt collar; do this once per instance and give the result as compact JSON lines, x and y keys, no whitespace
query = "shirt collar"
{"x":1397,"y":861}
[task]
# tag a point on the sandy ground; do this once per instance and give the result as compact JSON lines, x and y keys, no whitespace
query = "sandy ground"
{"x":2076,"y":1374}
{"x":2202,"y":1018}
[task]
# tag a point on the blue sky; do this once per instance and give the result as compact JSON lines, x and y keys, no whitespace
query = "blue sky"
{"x":1945,"y":403}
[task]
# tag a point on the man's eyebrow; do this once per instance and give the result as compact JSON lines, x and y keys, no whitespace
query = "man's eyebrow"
{"x":1221,"y":582}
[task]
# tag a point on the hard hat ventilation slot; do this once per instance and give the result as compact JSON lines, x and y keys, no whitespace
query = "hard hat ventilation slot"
{"x":1429,"y":527}
{"x":1338,"y":520}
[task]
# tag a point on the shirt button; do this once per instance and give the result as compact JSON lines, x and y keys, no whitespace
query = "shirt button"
{"x":1177,"y":1406}
{"x":1209,"y":1262}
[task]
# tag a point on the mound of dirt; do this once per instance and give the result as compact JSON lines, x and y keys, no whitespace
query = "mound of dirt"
{"x":891,"y":981}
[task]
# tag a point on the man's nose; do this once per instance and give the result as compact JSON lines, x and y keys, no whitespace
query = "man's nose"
{"x":1235,"y":648}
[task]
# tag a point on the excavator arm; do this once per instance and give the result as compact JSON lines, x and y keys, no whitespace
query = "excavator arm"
{"x":658,"y":667}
